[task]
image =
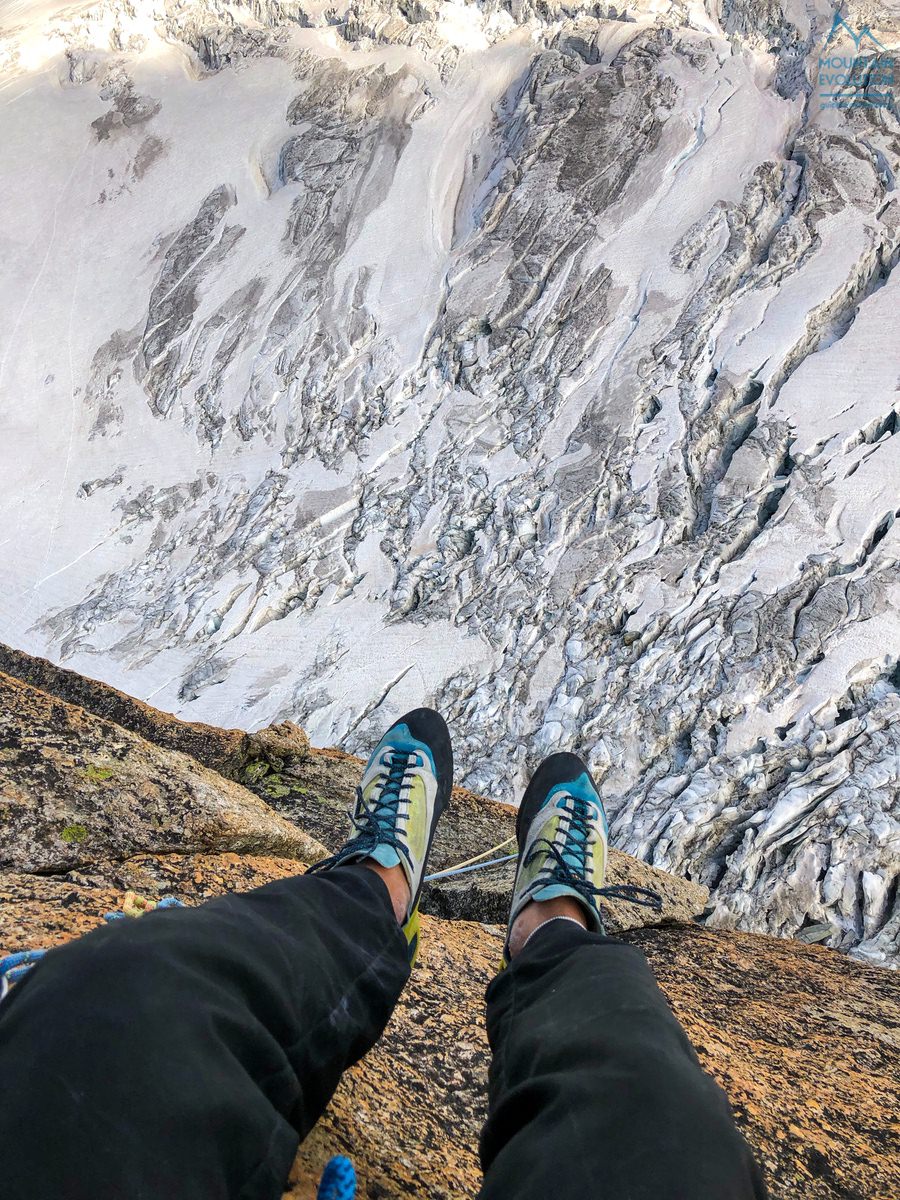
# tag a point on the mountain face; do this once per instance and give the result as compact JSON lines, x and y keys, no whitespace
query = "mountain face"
{"x":536,"y":361}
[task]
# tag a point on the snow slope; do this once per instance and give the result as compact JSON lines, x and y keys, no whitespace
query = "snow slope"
{"x":538,"y":362}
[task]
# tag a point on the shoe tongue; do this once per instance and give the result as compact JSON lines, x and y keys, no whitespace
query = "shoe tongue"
{"x":552,"y":890}
{"x":387,"y":856}
{"x":576,"y":845}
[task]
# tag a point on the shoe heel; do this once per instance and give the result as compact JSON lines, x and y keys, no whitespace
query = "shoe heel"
{"x":411,"y":929}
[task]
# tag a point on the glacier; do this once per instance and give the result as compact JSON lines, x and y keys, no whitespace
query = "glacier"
{"x":538,"y":361}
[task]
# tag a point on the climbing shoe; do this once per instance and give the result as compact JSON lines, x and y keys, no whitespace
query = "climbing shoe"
{"x":405,"y":788}
{"x":563,"y":838}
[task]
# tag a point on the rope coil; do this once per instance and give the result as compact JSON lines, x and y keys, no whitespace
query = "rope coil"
{"x":338,"y":1180}
{"x":14,"y":967}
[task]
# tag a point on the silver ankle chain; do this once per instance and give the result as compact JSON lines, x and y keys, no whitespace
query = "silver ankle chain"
{"x":549,"y":921}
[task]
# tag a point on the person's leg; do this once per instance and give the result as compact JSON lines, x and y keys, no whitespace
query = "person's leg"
{"x":184,"y":1054}
{"x":595,"y":1089}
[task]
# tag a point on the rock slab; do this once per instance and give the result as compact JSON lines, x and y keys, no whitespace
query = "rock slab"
{"x":76,"y":789}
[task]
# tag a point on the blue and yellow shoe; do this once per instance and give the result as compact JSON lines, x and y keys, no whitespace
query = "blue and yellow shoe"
{"x":405,"y":788}
{"x":563,"y":838}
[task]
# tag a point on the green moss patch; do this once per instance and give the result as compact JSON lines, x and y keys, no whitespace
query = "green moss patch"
{"x":275,"y":787}
{"x":74,"y":834}
{"x":98,"y":774}
{"x":255,"y":771}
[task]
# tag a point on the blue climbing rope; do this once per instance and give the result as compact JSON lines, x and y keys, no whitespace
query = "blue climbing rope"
{"x":474,"y":867}
{"x":338,"y":1180}
{"x":14,"y":966}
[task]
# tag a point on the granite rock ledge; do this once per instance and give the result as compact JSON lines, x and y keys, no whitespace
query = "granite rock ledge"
{"x":805,"y":1041}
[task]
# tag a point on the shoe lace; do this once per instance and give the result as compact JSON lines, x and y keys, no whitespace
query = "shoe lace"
{"x":567,"y":864}
{"x":379,"y":822}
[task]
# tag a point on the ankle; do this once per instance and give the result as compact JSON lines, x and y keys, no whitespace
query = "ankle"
{"x":538,"y":913}
{"x":395,"y":881}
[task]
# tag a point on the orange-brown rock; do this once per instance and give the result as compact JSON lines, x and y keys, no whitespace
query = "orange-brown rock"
{"x":44,"y":910}
{"x":227,"y":751}
{"x":804,"y":1041}
{"x":222,"y":749}
{"x":278,"y":744}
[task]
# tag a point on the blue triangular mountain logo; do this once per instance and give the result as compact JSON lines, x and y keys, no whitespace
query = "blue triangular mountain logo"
{"x":839,"y":23}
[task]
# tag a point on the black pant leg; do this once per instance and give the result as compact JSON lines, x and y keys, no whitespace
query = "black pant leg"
{"x":595,"y":1090}
{"x":183,"y":1055}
